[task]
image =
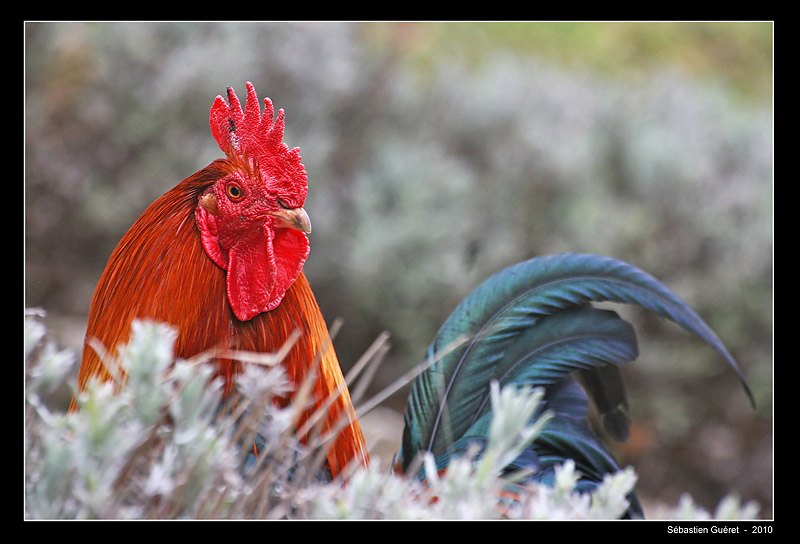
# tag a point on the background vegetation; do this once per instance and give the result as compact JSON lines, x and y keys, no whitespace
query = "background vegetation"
{"x":165,"y":448}
{"x":439,"y":153}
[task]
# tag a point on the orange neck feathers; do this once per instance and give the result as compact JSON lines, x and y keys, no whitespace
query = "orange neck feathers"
{"x":160,"y":271}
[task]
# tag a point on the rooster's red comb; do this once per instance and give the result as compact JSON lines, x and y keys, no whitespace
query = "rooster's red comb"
{"x":251,"y":136}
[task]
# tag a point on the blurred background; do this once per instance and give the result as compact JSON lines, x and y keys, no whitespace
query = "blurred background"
{"x":439,"y":153}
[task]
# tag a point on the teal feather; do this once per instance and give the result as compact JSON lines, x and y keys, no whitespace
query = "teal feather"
{"x":532,"y":324}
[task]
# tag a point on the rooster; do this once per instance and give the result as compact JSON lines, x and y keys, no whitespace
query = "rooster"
{"x":533,"y":325}
{"x":220,"y":257}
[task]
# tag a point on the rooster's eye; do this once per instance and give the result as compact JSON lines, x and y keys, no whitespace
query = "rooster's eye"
{"x":234,"y":192}
{"x":282,"y":203}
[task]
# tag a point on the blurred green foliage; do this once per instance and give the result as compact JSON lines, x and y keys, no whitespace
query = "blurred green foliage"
{"x":738,"y":54}
{"x":439,"y":153}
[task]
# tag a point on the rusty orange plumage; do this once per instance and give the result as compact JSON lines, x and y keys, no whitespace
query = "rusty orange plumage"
{"x":190,"y":260}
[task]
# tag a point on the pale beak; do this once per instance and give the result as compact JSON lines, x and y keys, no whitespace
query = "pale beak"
{"x":295,"y":218}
